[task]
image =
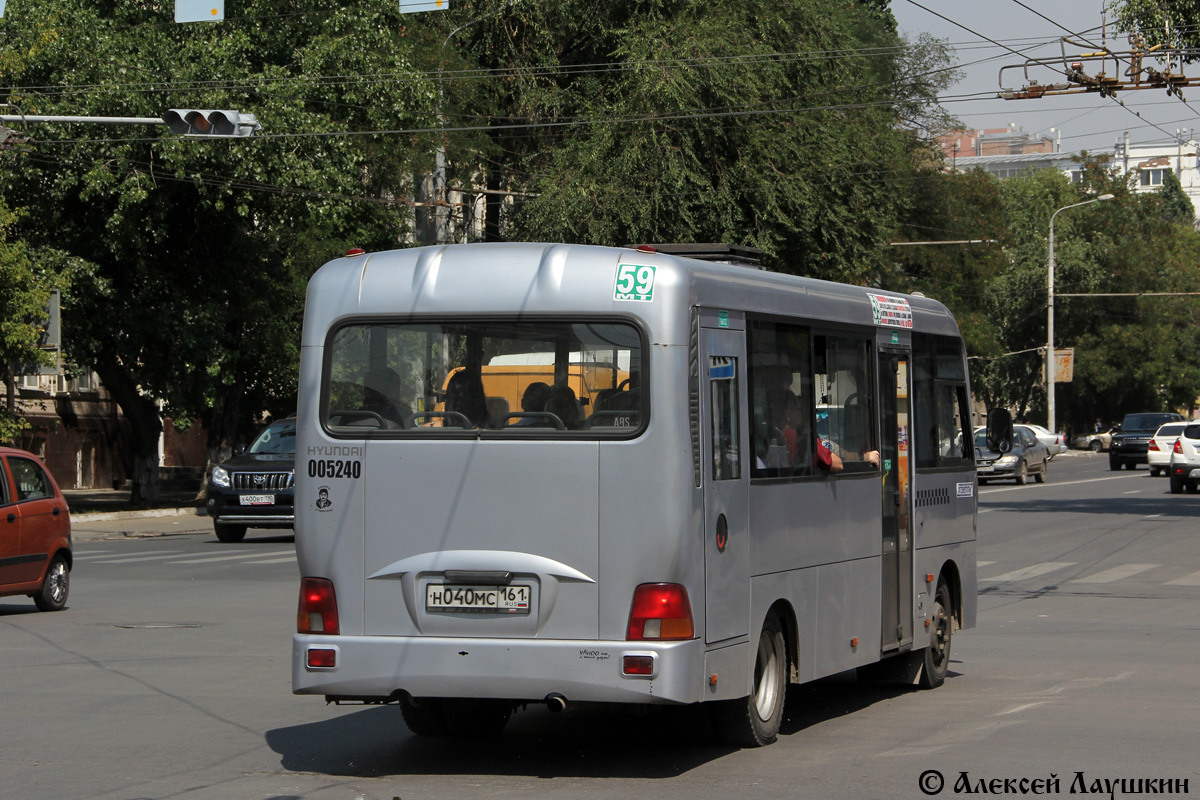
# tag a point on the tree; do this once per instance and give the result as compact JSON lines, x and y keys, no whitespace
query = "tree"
{"x":1159,"y":23}
{"x":1176,"y":205}
{"x":199,"y":249}
{"x":23,"y":307}
{"x":692,"y":121}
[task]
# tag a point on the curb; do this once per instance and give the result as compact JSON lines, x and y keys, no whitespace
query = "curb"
{"x":103,"y":516}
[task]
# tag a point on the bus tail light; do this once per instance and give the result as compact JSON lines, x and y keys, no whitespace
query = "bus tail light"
{"x":318,"y":607}
{"x":660,"y":611}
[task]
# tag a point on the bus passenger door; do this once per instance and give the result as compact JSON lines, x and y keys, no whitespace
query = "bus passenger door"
{"x":725,"y":476}
{"x":896,"y":630}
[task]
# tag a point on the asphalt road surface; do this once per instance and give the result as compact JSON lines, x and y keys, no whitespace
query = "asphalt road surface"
{"x":168,"y":677}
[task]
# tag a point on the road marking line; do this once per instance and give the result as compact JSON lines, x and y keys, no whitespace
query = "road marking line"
{"x":87,"y":552}
{"x":219,"y":558}
{"x":1135,"y":491}
{"x":1055,"y":483}
{"x":983,"y":563}
{"x":1116,"y":573}
{"x":1032,"y":571}
{"x":273,"y":560}
{"x":131,"y":559}
{"x":1186,"y":580}
{"x":1022,"y":707}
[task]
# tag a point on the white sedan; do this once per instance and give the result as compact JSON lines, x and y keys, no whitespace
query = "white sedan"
{"x":1055,"y":442}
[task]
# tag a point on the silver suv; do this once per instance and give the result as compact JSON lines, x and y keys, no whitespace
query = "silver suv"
{"x":1184,"y":468}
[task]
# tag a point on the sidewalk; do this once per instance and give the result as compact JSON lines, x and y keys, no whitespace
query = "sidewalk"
{"x":103,"y":504}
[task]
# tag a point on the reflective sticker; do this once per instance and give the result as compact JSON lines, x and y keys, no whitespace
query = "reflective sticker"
{"x":966,"y":489}
{"x":634,"y":282}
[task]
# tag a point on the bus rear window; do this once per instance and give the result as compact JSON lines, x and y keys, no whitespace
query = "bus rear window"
{"x":503,"y":378}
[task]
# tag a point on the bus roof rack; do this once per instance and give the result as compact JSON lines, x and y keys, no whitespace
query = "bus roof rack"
{"x":712,"y":251}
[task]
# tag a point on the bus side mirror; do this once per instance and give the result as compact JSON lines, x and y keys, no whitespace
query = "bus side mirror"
{"x":999,"y":430}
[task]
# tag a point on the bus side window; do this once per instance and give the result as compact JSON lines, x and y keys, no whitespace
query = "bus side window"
{"x":722,"y":378}
{"x":844,"y":397}
{"x":781,"y":400}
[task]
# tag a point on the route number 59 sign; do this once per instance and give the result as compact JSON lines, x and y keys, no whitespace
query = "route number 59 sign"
{"x":634,"y":282}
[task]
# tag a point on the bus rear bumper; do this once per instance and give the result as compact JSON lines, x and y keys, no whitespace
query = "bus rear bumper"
{"x":386,"y":667}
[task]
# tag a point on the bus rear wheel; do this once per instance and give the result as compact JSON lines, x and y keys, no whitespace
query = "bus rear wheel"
{"x":937,"y":654}
{"x":423,"y":716}
{"x":472,"y":718}
{"x":754,"y":721}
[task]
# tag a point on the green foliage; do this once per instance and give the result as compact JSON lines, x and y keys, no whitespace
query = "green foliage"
{"x":712,"y":122}
{"x":1176,"y":205}
{"x":199,"y":250}
{"x":1160,"y":23}
{"x":1131,"y":353}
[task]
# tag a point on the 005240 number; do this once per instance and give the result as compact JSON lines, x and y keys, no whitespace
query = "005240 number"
{"x":334,"y":468}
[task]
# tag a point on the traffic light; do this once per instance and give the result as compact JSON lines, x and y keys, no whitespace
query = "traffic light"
{"x":210,"y":124}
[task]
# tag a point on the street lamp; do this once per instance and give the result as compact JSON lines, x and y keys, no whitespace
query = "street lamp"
{"x":1050,"y":363}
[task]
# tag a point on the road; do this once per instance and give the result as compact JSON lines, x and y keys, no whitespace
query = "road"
{"x":168,"y":677}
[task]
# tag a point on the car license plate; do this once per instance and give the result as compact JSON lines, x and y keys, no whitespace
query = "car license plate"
{"x":986,"y":469}
{"x":258,"y":499}
{"x":477,"y":599}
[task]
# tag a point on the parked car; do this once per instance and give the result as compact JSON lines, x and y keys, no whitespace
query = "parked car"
{"x":35,"y":532}
{"x":1055,"y":442}
{"x":1027,"y":457}
{"x":1184,"y":466}
{"x":1096,"y":442}
{"x":255,"y":488}
{"x":1158,"y":450}
{"x":1128,"y":448}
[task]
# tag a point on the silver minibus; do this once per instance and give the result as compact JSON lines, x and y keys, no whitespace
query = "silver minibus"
{"x":559,"y":474}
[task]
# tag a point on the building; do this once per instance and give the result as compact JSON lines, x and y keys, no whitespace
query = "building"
{"x":994,"y":142}
{"x":78,"y":430}
{"x":1148,"y":161}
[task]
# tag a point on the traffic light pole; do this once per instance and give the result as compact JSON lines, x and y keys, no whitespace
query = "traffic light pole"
{"x":195,"y":123}
{"x":99,"y":120}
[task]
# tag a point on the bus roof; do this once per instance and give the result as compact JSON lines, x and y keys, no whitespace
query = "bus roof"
{"x":536,"y":278}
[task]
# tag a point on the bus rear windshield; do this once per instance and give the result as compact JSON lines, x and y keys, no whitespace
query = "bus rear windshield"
{"x":505,"y":378}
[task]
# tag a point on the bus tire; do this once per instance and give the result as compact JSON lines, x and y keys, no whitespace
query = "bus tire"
{"x":754,"y":721}
{"x":423,"y":716}
{"x":472,"y":718}
{"x":937,"y":654}
{"x":229,"y":534}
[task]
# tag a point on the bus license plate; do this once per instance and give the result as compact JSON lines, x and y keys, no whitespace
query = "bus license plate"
{"x":477,"y":599}
{"x":258,"y":499}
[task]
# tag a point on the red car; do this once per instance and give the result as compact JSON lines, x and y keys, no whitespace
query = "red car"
{"x":35,"y":532}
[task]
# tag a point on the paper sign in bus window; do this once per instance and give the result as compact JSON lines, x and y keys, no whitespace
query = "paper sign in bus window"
{"x":890,"y":311}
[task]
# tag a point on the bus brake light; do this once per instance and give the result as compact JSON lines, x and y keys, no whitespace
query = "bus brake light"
{"x":660,"y":611}
{"x":318,"y":607}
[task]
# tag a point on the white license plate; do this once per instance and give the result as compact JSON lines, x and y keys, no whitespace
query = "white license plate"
{"x":477,"y":599}
{"x":986,"y":469}
{"x":258,"y":499}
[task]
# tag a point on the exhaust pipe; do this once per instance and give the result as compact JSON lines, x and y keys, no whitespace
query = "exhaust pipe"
{"x":556,"y":702}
